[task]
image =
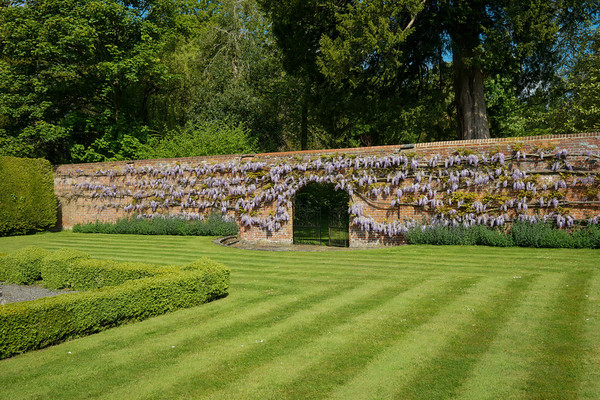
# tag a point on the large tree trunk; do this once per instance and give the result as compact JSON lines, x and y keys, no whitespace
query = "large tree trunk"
{"x":470,"y":99}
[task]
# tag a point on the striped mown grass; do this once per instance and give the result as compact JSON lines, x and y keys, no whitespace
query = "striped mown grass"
{"x":413,"y":322}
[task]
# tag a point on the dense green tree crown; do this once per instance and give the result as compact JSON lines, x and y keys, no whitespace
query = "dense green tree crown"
{"x":403,"y":48}
{"x":76,"y":76}
{"x":93,"y":80}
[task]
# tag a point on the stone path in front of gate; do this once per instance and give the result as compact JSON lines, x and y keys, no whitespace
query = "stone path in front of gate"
{"x":235,"y":242}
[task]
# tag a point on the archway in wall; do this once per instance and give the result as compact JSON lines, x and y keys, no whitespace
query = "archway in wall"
{"x":321,"y":216}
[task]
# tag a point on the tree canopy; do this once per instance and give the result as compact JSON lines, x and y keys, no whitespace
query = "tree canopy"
{"x":389,"y":45}
{"x":95,"y":80}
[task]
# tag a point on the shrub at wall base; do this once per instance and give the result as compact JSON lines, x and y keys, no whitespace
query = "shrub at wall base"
{"x":27,"y":200}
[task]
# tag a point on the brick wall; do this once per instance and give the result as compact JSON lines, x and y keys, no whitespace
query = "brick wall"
{"x":195,"y":185}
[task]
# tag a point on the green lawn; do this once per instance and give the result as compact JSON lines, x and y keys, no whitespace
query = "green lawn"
{"x":413,"y":322}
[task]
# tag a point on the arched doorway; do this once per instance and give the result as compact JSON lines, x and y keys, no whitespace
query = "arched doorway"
{"x":321,"y":215}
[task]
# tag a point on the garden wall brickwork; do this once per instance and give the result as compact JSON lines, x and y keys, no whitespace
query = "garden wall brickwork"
{"x":490,"y":181}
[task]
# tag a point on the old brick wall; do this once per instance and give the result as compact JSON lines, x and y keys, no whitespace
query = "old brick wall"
{"x":258,"y":189}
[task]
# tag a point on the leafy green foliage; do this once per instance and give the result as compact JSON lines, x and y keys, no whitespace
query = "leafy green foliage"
{"x":390,"y":54}
{"x":204,"y":138}
{"x":510,"y":115}
{"x":76,"y":76}
{"x":56,"y":266}
{"x":339,"y":108}
{"x":87,"y":81}
{"x":27,"y":200}
{"x":230,"y":74}
{"x":24,"y":266}
{"x":126,"y":292}
{"x":214,"y":225}
{"x":579,"y":107}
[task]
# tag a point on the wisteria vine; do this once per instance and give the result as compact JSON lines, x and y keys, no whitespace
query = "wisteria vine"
{"x":465,"y":188}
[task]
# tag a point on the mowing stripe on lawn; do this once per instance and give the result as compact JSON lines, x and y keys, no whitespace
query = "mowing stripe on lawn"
{"x":138,"y":350}
{"x":503,"y":369}
{"x":324,"y":361}
{"x":555,"y":373}
{"x":149,"y":252}
{"x":393,"y":255}
{"x":239,"y":353}
{"x":590,"y":381}
{"x":227,"y":311}
{"x":356,"y":260}
{"x":358,"y":263}
{"x":370,"y":351}
{"x":143,"y":357}
{"x":116,"y":338}
{"x":424,"y":252}
{"x":402,"y":363}
{"x":445,"y":373}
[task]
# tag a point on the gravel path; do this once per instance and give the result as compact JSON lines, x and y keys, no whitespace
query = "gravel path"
{"x":18,"y":293}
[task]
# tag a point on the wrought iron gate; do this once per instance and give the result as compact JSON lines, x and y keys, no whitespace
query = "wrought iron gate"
{"x":307,"y":223}
{"x":339,"y":228}
{"x":320,"y":226}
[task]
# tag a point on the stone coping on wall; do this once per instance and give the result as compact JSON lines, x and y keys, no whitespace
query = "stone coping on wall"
{"x":372,"y":149}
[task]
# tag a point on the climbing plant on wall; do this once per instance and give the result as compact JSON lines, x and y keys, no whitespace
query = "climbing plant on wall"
{"x":464,"y":188}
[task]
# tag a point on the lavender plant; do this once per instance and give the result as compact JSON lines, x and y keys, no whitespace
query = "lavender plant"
{"x":214,"y":225}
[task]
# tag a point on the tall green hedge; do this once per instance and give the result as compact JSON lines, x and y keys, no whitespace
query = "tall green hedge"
{"x":27,"y":200}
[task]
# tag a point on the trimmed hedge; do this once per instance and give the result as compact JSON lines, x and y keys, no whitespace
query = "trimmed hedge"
{"x":24,"y":266}
{"x":214,"y":225}
{"x":40,"y":323}
{"x":27,"y":200}
{"x":56,"y":267}
{"x":87,"y":274}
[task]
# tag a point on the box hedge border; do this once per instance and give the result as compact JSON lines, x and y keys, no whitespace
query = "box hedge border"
{"x":51,"y":320}
{"x":23,"y":267}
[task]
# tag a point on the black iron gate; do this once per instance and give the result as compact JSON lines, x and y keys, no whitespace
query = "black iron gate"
{"x":307,"y":223}
{"x":320,"y":226}
{"x":339,"y":234}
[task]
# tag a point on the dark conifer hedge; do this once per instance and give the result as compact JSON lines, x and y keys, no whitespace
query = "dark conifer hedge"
{"x":27,"y":200}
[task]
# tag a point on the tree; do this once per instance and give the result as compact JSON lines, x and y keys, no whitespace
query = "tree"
{"x":384,"y":43}
{"x":201,"y":138}
{"x":227,"y":70}
{"x":578,"y":108}
{"x":330,"y":114}
{"x":76,"y":77}
{"x":298,"y":26}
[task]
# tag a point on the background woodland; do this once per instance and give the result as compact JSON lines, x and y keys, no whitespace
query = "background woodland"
{"x":90,"y":80}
